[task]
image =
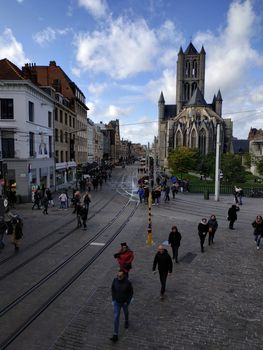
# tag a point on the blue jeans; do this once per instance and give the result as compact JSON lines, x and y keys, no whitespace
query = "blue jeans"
{"x":62,"y":205}
{"x":257,"y":239}
{"x":117,"y":309}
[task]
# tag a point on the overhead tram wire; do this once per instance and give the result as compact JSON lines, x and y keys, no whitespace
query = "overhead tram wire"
{"x":256,"y":111}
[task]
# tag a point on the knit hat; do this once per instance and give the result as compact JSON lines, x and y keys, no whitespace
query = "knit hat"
{"x":124,"y":244}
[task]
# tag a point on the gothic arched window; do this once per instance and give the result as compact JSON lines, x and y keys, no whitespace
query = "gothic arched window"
{"x":186,"y":91}
{"x":194,"y":86}
{"x":187,"y":69}
{"x":178,"y":139}
{"x":202,"y":142}
{"x":194,"y":69}
{"x":193,"y":139}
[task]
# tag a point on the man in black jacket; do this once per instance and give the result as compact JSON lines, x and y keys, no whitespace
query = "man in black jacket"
{"x":165,"y":266}
{"x":122,"y":293}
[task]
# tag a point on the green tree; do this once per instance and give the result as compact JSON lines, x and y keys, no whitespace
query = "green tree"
{"x":182,"y":159}
{"x":259,"y":166}
{"x":247,"y":160}
{"x":233,"y":170}
{"x":206,"y":165}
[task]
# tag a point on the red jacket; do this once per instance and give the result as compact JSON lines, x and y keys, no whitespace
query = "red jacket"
{"x":125,"y":259}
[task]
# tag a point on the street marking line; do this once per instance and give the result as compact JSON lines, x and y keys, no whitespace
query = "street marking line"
{"x":97,"y":243}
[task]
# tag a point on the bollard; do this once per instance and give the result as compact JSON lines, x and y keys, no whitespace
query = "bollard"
{"x":206,"y":194}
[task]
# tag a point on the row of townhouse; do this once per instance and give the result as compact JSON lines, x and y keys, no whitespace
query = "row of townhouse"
{"x":44,"y":130}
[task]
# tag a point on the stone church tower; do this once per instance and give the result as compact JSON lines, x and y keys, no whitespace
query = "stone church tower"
{"x":191,"y":122}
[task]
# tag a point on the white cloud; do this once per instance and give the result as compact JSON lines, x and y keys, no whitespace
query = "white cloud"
{"x":143,"y":132}
{"x":97,"y":89}
{"x":123,"y":49}
{"x":10,"y":48}
{"x":116,"y":112}
{"x":97,"y":8}
{"x":230,"y":53}
{"x":49,"y":34}
{"x":167,"y":84}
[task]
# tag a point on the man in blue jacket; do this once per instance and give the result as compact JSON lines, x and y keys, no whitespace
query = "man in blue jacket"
{"x":122,"y":293}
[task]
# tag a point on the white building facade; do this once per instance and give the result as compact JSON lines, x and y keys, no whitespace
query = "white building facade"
{"x":27,"y":143}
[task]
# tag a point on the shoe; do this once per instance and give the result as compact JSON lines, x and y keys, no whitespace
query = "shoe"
{"x":161,"y":297}
{"x":257,"y":247}
{"x":114,"y":338}
{"x":126,"y":325}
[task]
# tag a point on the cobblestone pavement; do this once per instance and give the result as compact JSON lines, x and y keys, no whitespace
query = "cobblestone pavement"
{"x":213,"y":300}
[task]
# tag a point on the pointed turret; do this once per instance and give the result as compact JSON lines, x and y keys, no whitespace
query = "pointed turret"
{"x":218,"y":104}
{"x":202,"y":50}
{"x":219,"y":96}
{"x":161,"y":105}
{"x":161,"y":99}
{"x":180,"y":51}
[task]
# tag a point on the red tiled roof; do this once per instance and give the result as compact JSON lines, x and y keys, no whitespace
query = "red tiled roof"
{"x":9,"y":71}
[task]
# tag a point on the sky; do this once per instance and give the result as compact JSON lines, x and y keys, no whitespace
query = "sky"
{"x":123,"y":53}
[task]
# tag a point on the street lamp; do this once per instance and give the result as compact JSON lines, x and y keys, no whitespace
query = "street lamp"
{"x":217,"y":174}
{"x":71,"y":146}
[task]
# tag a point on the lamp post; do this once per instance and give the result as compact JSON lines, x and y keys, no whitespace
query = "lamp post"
{"x":149,"y":240}
{"x":217,"y":177}
{"x":71,"y":145}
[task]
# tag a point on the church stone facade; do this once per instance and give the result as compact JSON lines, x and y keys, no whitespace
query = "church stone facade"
{"x":191,"y":122}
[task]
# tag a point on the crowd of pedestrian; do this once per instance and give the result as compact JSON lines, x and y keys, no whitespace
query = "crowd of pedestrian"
{"x":161,"y":186}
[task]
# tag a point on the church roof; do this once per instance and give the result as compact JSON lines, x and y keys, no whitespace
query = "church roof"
{"x":191,"y":50}
{"x":240,"y":146}
{"x":197,"y":99}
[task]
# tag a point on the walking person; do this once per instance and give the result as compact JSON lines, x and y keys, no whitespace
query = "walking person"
{"x":258,"y":229}
{"x":63,"y":200}
{"x":165,"y":267}
{"x":3,"y":231}
{"x":87,"y":200}
{"x":212,"y":227}
{"x":174,"y":190}
{"x":17,"y":232}
{"x":202,"y":232}
{"x":45,"y":204}
{"x":122,"y":293}
{"x":49,"y":197}
{"x":125,"y":257}
{"x":78,"y":209}
{"x":175,"y":240}
{"x":84,"y":216}
{"x":37,"y":198}
{"x":232,"y":215}
{"x":141,"y":193}
{"x":167,"y":193}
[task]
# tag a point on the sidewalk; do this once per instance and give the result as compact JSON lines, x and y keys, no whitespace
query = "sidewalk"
{"x":213,"y":300}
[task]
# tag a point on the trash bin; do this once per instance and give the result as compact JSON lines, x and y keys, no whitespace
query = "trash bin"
{"x":206,"y":194}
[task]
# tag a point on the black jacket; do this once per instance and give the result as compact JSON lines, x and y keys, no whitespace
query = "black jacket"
{"x":232,"y":213}
{"x":3,"y":227}
{"x":121,"y":290}
{"x":175,"y":238}
{"x":164,"y":262}
{"x":202,"y":228}
{"x":258,"y":228}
